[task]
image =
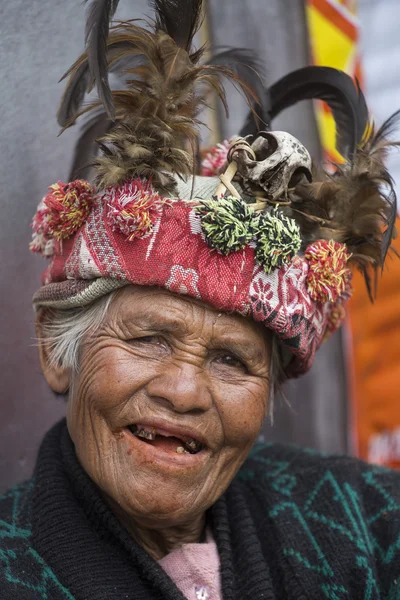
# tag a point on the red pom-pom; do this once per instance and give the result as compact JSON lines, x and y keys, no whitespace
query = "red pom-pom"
{"x":215,"y":159}
{"x":67,"y":208}
{"x":328,"y":275}
{"x":134,"y":208}
{"x":60,"y":213}
{"x":41,"y":241}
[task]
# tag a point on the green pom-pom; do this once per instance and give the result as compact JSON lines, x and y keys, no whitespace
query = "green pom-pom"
{"x":278,"y":240}
{"x":227,"y":223}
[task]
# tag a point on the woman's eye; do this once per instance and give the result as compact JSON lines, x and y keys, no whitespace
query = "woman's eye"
{"x":151,"y":346}
{"x":231,"y":361}
{"x":146,"y":340}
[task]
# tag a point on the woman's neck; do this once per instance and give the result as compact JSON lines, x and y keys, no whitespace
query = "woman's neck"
{"x":158,"y":542}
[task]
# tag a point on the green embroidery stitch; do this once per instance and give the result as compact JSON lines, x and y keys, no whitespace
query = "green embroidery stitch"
{"x":339,"y":497}
{"x":370,"y":477}
{"x":46,"y":578}
{"x":354,"y":500}
{"x":394,"y":591}
{"x":324,"y":567}
{"x":18,"y":530}
{"x":332,"y":591}
{"x":370,"y":583}
{"x":13,"y":530}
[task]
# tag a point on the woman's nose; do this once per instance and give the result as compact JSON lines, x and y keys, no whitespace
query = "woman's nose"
{"x":183,"y":387}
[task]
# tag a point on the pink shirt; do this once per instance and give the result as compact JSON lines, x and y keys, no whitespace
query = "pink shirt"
{"x":194,"y":568}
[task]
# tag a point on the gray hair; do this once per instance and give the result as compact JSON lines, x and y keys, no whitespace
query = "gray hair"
{"x":64,"y":330}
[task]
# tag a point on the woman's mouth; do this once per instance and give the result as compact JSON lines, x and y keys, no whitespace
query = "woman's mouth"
{"x":169,"y":442}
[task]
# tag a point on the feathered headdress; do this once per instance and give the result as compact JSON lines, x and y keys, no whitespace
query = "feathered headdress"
{"x":151,"y":127}
{"x":265,"y":234}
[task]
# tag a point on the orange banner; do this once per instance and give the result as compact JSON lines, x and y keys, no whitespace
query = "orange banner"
{"x":373,"y":330}
{"x":333,"y":34}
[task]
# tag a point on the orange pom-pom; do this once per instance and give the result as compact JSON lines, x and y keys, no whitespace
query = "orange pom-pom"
{"x":328,"y":275}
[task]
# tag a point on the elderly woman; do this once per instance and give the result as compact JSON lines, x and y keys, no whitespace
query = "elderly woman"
{"x":170,"y":310}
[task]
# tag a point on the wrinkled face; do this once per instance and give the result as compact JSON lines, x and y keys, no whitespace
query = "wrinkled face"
{"x":169,"y":399}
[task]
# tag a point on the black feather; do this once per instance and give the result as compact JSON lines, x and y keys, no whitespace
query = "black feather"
{"x":81,"y":81}
{"x":337,"y":89}
{"x":388,"y":234}
{"x":100,"y":14}
{"x":248,"y":67}
{"x":387,"y":129}
{"x":381,"y":142}
{"x":251,"y":126}
{"x":86,"y":147}
{"x":180,"y":19}
{"x":73,"y":95}
{"x":367,"y":278}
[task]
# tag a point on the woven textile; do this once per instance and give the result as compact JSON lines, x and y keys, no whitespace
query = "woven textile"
{"x":174,"y":254}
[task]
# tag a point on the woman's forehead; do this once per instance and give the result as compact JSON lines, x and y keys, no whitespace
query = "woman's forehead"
{"x":156,"y":308}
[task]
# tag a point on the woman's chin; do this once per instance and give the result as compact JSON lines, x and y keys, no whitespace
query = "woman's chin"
{"x":163,"y":507}
{"x":153,"y":495}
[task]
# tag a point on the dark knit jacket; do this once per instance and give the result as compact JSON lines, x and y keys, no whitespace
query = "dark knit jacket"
{"x":292,"y":525}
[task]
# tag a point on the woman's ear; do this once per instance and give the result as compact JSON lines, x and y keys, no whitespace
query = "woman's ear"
{"x":56,"y":376}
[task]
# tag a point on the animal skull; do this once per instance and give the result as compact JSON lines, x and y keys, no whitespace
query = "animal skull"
{"x":281,"y":161}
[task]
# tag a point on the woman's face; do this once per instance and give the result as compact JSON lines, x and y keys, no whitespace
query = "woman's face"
{"x":191,"y":378}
